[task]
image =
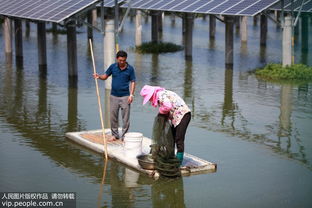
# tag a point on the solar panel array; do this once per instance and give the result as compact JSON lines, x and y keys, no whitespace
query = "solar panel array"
{"x":110,"y":3}
{"x":45,"y":10}
{"x":307,"y":5}
{"x":223,"y":7}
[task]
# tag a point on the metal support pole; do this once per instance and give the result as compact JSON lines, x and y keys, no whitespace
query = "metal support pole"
{"x":7,"y":30}
{"x":229,"y":43}
{"x":89,"y":29}
{"x":255,"y":20}
{"x":94,"y":17}
{"x":263,"y":29}
{"x":27,"y":30}
{"x":109,"y":50}
{"x":212,"y":26}
{"x":138,"y":28}
{"x":155,"y":31}
{"x":72,"y":49}
{"x":42,"y":48}
{"x":287,"y":41}
{"x":116,"y":25}
{"x":189,"y":35}
{"x":244,"y":29}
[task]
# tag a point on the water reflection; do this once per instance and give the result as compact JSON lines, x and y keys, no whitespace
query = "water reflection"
{"x":188,"y":82}
{"x":154,"y":79}
{"x":212,"y":43}
{"x":244,"y":48}
{"x":72,"y":104}
{"x":228,"y":110}
{"x":168,"y":193}
{"x":279,"y":133}
{"x":262,"y":54}
{"x":122,"y":196}
{"x":100,"y":195}
{"x":285,"y":111}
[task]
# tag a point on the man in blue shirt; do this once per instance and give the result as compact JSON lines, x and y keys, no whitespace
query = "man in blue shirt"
{"x":121,"y":97}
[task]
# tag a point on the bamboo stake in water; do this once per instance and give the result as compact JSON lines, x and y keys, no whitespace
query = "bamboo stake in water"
{"x":99,"y":100}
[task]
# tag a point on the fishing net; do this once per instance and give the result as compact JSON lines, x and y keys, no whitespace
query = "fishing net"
{"x":162,"y":148}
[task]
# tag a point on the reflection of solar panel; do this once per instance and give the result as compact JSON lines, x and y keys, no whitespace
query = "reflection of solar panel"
{"x":47,"y":10}
{"x":307,"y":5}
{"x":224,"y":7}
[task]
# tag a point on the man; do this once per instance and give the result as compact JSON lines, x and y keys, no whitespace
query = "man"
{"x":121,"y":96}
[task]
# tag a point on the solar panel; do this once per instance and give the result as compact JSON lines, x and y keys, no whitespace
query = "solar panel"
{"x":224,"y":7}
{"x":252,"y":9}
{"x":307,"y":5}
{"x":183,"y":5}
{"x":158,"y":4}
{"x":44,"y":10}
{"x":110,"y":3}
{"x":221,"y":8}
{"x":196,"y":5}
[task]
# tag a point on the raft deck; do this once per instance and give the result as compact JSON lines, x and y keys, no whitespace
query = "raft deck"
{"x":93,"y":140}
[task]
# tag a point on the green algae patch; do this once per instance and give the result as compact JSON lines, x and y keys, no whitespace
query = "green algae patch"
{"x":276,"y":72}
{"x":161,"y":47}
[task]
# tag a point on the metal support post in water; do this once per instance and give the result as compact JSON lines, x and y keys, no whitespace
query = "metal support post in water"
{"x":229,"y":44}
{"x":255,"y":20}
{"x":42,"y":48}
{"x":212,"y":26}
{"x":27,"y":30}
{"x":161,"y":17}
{"x":18,"y":42}
{"x":305,"y":32}
{"x":94,"y":17}
{"x":109,"y":49}
{"x":155,"y":31}
{"x":304,"y":38}
{"x":237,"y":23}
{"x":277,"y":15}
{"x":7,"y":30}
{"x":54,"y":27}
{"x":172,"y":18}
{"x":263,"y":29}
{"x":244,"y":29}
{"x":183,"y":27}
{"x":72,"y":49}
{"x":116,"y":25}
{"x":287,"y":41}
{"x":189,"y":35}
{"x":89,"y":29}
{"x":138,"y":28}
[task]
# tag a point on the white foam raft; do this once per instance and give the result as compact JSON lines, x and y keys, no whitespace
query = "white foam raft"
{"x":93,"y":140}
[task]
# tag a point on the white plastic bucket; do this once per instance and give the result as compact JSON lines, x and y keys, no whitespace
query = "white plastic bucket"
{"x":133,"y":144}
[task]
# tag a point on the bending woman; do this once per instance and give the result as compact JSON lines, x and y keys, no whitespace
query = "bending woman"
{"x":172,"y":105}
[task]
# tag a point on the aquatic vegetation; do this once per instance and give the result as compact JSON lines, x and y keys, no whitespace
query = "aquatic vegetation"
{"x":296,"y":72}
{"x":161,"y":47}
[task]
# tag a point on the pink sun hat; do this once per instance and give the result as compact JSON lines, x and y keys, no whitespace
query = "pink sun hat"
{"x":148,"y":92}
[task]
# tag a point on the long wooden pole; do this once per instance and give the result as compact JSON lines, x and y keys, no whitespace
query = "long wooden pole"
{"x":99,"y":100}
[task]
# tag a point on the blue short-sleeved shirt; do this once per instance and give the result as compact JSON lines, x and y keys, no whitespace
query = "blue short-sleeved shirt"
{"x":120,"y":79}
